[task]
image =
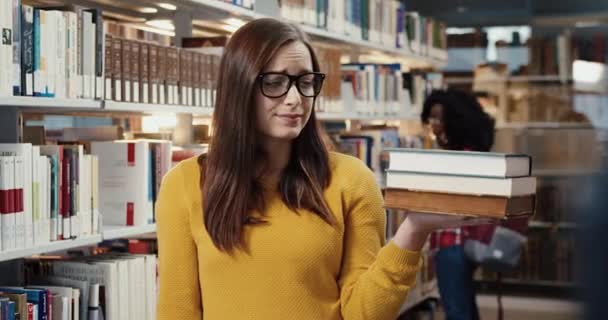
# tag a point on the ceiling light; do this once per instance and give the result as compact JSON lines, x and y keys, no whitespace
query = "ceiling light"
{"x":167,"y":6}
{"x":147,"y":10}
{"x":161,"y":24}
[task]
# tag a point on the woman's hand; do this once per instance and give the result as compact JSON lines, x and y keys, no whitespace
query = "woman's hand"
{"x":415,"y":229}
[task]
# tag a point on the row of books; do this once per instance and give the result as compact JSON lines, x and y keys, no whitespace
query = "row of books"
{"x":49,"y":193}
{"x":377,"y":89}
{"x":56,"y":192}
{"x":142,"y":72}
{"x":382,"y":22}
{"x":51,"y":51}
{"x":112,"y":286}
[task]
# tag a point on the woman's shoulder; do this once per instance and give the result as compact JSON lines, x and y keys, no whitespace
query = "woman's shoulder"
{"x":352,"y":168}
{"x":185,"y":172}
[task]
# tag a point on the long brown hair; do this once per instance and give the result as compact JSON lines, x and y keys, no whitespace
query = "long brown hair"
{"x":230,"y":181}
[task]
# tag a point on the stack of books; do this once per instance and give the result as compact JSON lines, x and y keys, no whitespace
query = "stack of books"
{"x":477,"y":184}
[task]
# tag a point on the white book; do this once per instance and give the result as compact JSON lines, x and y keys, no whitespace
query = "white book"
{"x":85,"y":197}
{"x":511,"y":187}
{"x":6,"y":48}
{"x":51,"y":42}
{"x":7,"y":214}
{"x":109,"y":269}
{"x":95,"y":194}
{"x":48,"y":226}
{"x":486,"y":164}
{"x":124,"y":182}
{"x":36,"y":214}
{"x":76,"y":223}
{"x":61,"y":65}
{"x":72,"y":54}
{"x":151,"y":288}
{"x":18,"y":182}
{"x":25,"y":151}
{"x":35,"y":312}
{"x":88,"y":55}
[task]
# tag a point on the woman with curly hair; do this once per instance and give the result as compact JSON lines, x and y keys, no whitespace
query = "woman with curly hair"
{"x":458,"y":122}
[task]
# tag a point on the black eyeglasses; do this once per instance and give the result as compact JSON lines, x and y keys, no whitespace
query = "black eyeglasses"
{"x":277,"y":84}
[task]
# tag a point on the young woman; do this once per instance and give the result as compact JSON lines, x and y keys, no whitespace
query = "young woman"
{"x":269,"y":224}
{"x":459,"y":123}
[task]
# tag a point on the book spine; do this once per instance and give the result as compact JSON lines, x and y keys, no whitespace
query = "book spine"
{"x":144,"y":59}
{"x":108,"y":67}
{"x":49,"y":53}
{"x":172,"y":76}
{"x":152,"y":73}
{"x":27,"y":50}
{"x":74,"y":79}
{"x":6,"y":48}
{"x":162,"y":75}
{"x":196,"y":79}
{"x":95,"y":193}
{"x":38,"y":73}
{"x":66,"y":193}
{"x":182,"y":77}
{"x":80,"y":39}
{"x":136,"y":81}
{"x":117,"y":87}
{"x":99,"y":51}
{"x":18,"y":174}
{"x":8,"y":208}
{"x":17,"y":88}
{"x":126,"y":70}
{"x":61,"y":49}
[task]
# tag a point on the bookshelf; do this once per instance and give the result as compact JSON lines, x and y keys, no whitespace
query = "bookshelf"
{"x":149,"y":108}
{"x":118,"y":232}
{"x":51,"y":103}
{"x":50,"y":247}
{"x":107,"y":233}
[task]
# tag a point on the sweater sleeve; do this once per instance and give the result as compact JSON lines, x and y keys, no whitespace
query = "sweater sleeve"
{"x":374,"y":280}
{"x":179,"y":292}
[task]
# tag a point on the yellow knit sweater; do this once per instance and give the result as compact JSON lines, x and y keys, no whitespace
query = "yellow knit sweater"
{"x":299,"y":267}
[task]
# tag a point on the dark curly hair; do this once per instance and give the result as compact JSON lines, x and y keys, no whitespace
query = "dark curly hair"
{"x":465,"y":123}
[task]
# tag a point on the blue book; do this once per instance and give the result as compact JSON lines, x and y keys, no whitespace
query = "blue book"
{"x":11,"y":310}
{"x":4,"y":308}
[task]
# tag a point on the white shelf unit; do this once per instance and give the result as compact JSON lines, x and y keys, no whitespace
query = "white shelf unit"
{"x":155,"y":108}
{"x":56,"y":103}
{"x":117,"y":232}
{"x":107,"y":233}
{"x":50,"y":247}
